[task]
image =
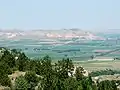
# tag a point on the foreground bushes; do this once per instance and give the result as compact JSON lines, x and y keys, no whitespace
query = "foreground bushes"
{"x":43,"y":75}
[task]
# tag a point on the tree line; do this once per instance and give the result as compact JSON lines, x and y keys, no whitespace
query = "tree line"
{"x":104,"y":72}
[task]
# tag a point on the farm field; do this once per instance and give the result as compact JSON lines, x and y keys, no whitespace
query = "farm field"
{"x":98,"y":65}
{"x":80,"y":50}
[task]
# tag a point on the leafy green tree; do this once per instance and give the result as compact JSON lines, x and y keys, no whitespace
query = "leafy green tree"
{"x":34,"y":65}
{"x":114,"y":86}
{"x":46,"y":66}
{"x":86,"y":83}
{"x":64,"y":67}
{"x":70,"y":84}
{"x":22,"y":62}
{"x":79,"y":73}
{"x":4,"y":80}
{"x":80,"y":87}
{"x":21,"y":83}
{"x":15,"y":51}
{"x":50,"y":83}
{"x":50,"y":78}
{"x":4,"y":71}
{"x":30,"y":65}
{"x":8,"y":58}
{"x":4,"y":68}
{"x":55,"y":76}
{"x":39,"y":67}
{"x":32,"y":79}
{"x":107,"y":85}
{"x":94,"y":86}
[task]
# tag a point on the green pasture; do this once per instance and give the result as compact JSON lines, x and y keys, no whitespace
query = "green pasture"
{"x":79,"y":51}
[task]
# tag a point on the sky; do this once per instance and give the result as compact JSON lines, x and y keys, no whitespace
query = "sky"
{"x":56,"y":14}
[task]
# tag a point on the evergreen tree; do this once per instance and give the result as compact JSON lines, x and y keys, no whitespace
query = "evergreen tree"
{"x":50,"y":79}
{"x":64,"y":67}
{"x":22,"y":62}
{"x":4,"y":71}
{"x":8,"y":58}
{"x":70,"y":84}
{"x":21,"y":83}
{"x":32,"y":79}
{"x":79,"y":73}
{"x":107,"y":85}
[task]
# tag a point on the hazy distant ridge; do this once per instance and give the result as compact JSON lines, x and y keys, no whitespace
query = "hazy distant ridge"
{"x":50,"y":34}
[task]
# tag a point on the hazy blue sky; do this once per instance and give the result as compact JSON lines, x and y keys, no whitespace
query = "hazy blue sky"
{"x":52,"y":14}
